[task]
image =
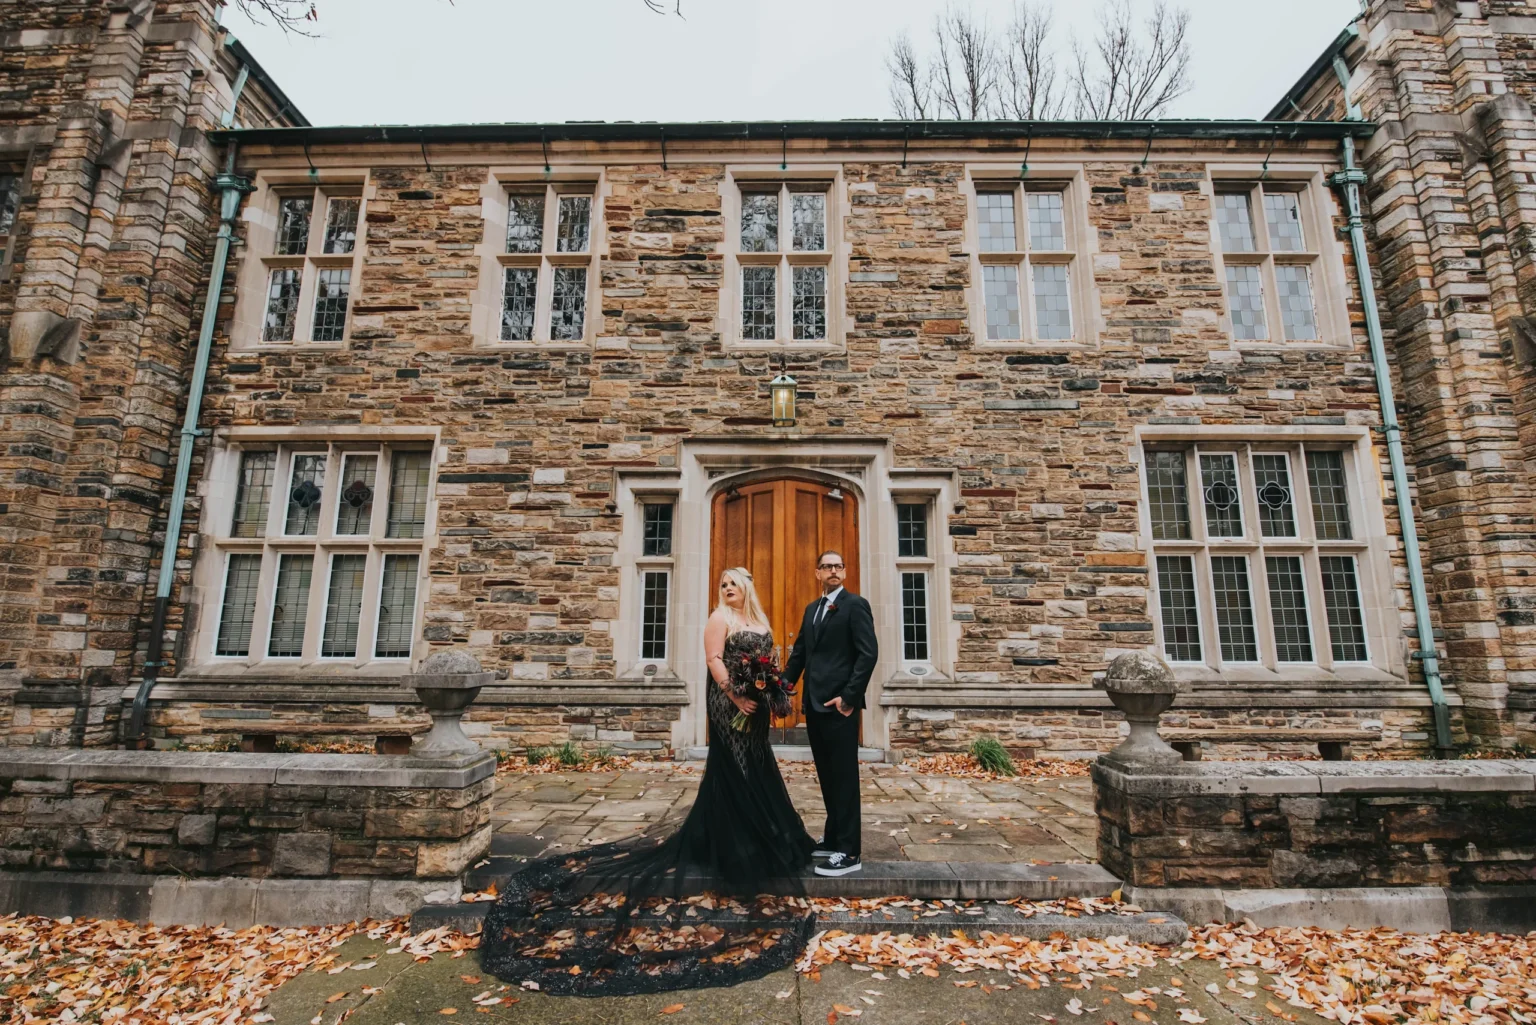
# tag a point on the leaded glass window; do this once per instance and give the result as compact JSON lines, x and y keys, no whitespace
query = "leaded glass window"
{"x":1234,"y":609}
{"x":1283,"y":212}
{"x":914,"y":616}
{"x":253,"y":496}
{"x":10,"y":202}
{"x":1341,"y":599}
{"x":1288,"y":608}
{"x":1272,"y":486}
{"x":1330,"y":495}
{"x":397,"y":606}
{"x":759,"y":222}
{"x":1168,"y":496}
{"x":305,"y":490}
{"x":1223,"y":500}
{"x":1053,"y":301}
{"x":1245,"y":302}
{"x":410,"y":475}
{"x":354,"y":507}
{"x":1001,"y":283}
{"x":242,"y":579}
{"x":290,"y":606}
{"x":525,"y":222}
{"x":575,"y":224}
{"x":519,"y":299}
{"x":809,"y":211}
{"x":654,"y":608}
{"x":568,"y":313}
{"x":1180,"y":611}
{"x":995,"y":227}
{"x":657,"y":529}
{"x":293,"y":215}
{"x":912,"y":530}
{"x":1047,"y":221}
{"x":1257,"y":564}
{"x":367,"y":565}
{"x":341,"y":224}
{"x":759,"y":303}
{"x":810,"y":304}
{"x":332,"y":285}
{"x":282,"y":304}
{"x":343,"y":606}
{"x":1234,"y":218}
{"x":1293,"y":290}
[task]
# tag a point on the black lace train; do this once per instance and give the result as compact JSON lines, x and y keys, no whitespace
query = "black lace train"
{"x":591,"y":922}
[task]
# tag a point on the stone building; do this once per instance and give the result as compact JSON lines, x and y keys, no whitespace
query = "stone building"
{"x":1061,"y":390}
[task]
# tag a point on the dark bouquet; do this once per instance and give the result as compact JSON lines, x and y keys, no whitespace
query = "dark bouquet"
{"x":760,"y":679}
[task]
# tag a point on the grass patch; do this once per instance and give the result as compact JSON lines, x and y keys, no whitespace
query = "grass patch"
{"x":992,"y":756}
{"x":536,"y":755}
{"x":569,"y":754}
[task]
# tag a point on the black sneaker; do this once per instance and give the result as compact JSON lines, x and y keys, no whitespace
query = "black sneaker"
{"x":840,"y":864}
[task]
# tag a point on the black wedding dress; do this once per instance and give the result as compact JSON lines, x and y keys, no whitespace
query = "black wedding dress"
{"x":561,"y":922}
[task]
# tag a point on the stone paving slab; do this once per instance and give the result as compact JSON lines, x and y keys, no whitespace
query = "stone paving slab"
{"x":906,"y":815}
{"x":415,"y":992}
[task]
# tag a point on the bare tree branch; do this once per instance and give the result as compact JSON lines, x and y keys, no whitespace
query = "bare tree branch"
{"x":289,"y":15}
{"x":1129,"y":71}
{"x":910,"y":89}
{"x":1028,"y":91}
{"x":964,"y":71}
{"x":660,"y":7}
{"x":1132,"y":72}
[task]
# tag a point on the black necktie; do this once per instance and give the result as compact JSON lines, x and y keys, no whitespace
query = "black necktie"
{"x":821,"y":608}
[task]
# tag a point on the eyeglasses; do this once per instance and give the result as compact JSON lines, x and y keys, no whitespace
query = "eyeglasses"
{"x":830,"y":565}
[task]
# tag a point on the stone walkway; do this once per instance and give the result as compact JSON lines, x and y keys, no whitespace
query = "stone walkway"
{"x":907,"y":816}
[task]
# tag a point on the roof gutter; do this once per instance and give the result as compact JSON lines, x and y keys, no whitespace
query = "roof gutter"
{"x":893,"y":132}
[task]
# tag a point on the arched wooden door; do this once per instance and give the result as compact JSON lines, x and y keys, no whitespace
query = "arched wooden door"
{"x":776,"y":529}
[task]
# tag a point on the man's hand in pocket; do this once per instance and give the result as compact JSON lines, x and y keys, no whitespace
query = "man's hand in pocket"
{"x":838,"y":704}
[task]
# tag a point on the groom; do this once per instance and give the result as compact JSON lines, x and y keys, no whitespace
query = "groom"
{"x":837,"y":652}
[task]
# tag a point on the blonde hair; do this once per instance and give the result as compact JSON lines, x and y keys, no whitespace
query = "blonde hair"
{"x":751,"y":614}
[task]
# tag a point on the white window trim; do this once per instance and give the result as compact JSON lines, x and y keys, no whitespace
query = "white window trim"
{"x":219,"y":490}
{"x":834,"y":257}
{"x":1370,"y":547}
{"x":938,"y":494}
{"x":485,"y":318}
{"x":926,"y":565}
{"x":1078,"y":256}
{"x":1323,"y":256}
{"x":261,"y":223}
{"x":628,"y":630}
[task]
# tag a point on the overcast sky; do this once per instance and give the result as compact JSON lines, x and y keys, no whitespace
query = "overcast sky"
{"x":436,"y":62}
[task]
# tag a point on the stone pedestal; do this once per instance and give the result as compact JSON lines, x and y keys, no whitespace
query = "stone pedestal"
{"x":1142,"y":688}
{"x":447,"y":684}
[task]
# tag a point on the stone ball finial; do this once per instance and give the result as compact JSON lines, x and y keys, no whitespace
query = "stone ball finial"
{"x":1142,"y":688}
{"x":450,"y":662}
{"x":1137,"y":672}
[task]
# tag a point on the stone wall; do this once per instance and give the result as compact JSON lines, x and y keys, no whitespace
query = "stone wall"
{"x":1318,"y":824}
{"x":258,"y":816}
{"x":103,"y":118}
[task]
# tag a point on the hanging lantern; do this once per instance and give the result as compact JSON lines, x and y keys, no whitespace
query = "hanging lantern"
{"x":781,"y":394}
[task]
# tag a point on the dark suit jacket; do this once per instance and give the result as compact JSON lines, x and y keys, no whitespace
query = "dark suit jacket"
{"x":838,"y":657}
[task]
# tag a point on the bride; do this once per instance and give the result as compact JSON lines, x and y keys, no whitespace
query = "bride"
{"x":588,"y":922}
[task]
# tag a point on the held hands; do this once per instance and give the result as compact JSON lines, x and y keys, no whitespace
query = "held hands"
{"x":747,"y":705}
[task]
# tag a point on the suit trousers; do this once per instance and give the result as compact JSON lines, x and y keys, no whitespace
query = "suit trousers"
{"x":835,"y":747}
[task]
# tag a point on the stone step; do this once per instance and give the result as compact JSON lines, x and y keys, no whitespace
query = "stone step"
{"x":786,"y":752}
{"x":928,"y":880}
{"x":1144,"y":927}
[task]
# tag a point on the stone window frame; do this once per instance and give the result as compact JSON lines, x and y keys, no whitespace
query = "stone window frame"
{"x":489,"y":295}
{"x":739,"y":179}
{"x":220,"y":491}
{"x":1323,"y":257}
{"x":261,"y":223}
{"x":926,"y":564}
{"x":1370,"y":547}
{"x":627,"y":631}
{"x":1071,"y":181}
{"x":17,"y":167}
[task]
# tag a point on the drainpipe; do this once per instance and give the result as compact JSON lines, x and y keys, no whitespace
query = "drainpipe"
{"x":231,"y":186}
{"x":1349,"y":181}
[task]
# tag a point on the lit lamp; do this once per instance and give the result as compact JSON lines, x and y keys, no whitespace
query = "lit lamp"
{"x":781,"y":393}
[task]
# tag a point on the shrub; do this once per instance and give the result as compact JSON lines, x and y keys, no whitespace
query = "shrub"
{"x":569,"y":754}
{"x":540,"y":754}
{"x":992,"y":756}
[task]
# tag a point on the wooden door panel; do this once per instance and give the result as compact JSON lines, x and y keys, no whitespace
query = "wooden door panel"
{"x":776,"y":529}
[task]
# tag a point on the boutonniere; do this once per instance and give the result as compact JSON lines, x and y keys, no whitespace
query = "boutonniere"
{"x":831,"y":608}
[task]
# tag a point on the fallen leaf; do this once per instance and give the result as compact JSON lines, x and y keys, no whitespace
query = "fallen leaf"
{"x":449,"y":1010}
{"x":335,"y":997}
{"x":673,"y":1008}
{"x":1190,"y":1015}
{"x":473,"y":980}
